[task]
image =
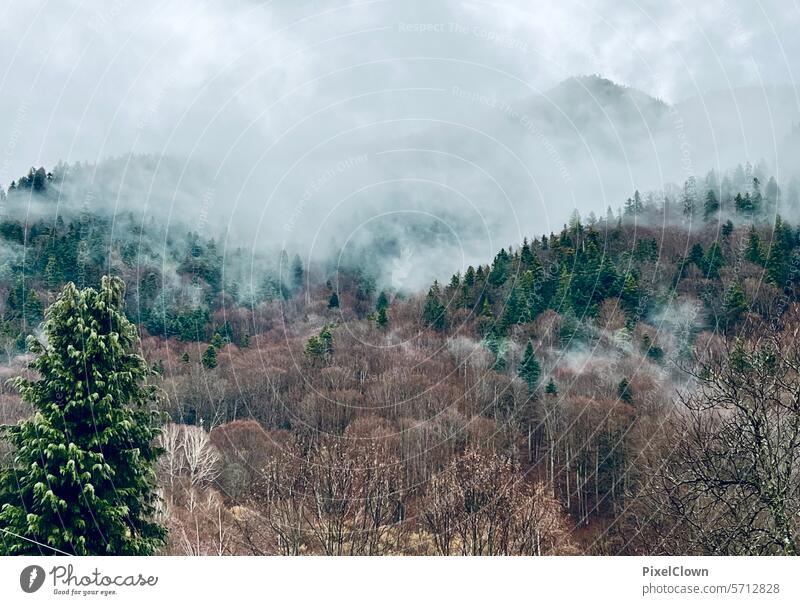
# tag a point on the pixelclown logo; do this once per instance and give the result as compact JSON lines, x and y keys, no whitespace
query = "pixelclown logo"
{"x":31,"y":578}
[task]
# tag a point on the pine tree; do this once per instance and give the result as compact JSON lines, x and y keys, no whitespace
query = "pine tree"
{"x":756,"y":199}
{"x":754,"y":251}
{"x":713,"y":261}
{"x":209,"y":359}
{"x":297,"y":273}
{"x":381,"y":318}
{"x":727,"y":230}
{"x":551,"y":388}
{"x":333,"y":301}
{"x":433,"y":310}
{"x":630,"y":293}
{"x":529,"y":369}
{"x":735,"y":305}
{"x":81,"y":479}
{"x":711,"y":205}
{"x":526,"y":257}
{"x":217,"y":341}
{"x":512,"y":311}
{"x":778,"y":263}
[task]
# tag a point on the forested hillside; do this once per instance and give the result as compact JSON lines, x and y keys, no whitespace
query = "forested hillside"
{"x":591,"y":391}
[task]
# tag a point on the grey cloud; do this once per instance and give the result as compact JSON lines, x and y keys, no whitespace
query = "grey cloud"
{"x":455,"y":108}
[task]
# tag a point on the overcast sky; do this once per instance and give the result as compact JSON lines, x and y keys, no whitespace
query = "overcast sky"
{"x":277,"y":101}
{"x":80,"y":80}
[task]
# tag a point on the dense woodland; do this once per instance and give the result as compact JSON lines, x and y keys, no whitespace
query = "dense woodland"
{"x":628,"y":385}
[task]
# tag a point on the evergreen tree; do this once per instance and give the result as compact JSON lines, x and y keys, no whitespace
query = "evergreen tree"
{"x":526,"y":257}
{"x":81,"y":477}
{"x":217,"y":341}
{"x":630,"y":293}
{"x":756,"y":198}
{"x":754,"y":251}
{"x":433,"y":310}
{"x":499,"y":273}
{"x":320,"y":347}
{"x":381,"y":318}
{"x":696,"y":255}
{"x":297,"y":273}
{"x":735,"y":306}
{"x":326,"y":338}
{"x":333,"y":301}
{"x":209,"y":359}
{"x":727,"y":230}
{"x":778,"y":262}
{"x":469,"y":277}
{"x":39,"y":180}
{"x":551,"y":388}
{"x":383,"y":300}
{"x":711,"y":205}
{"x":512,"y":312}
{"x":771,"y":196}
{"x":529,"y":369}
{"x":744,"y":204}
{"x":713,"y":261}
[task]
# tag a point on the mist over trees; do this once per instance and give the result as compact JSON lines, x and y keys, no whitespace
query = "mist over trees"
{"x":623,"y":386}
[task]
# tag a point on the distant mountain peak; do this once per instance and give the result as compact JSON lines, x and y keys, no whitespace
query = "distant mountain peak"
{"x":602,"y":89}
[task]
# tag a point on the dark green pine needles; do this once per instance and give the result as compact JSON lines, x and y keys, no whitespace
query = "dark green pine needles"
{"x":81,"y":476}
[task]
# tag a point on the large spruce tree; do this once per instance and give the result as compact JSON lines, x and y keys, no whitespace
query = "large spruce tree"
{"x":81,"y":478}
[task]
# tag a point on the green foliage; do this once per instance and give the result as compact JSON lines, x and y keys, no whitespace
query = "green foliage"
{"x":529,"y":369}
{"x":383,"y":301}
{"x":754,"y":251}
{"x":778,"y":263}
{"x":735,"y":305}
{"x":320,"y":347}
{"x":333,"y":301}
{"x":498,"y":347}
{"x":209,"y":358}
{"x":217,"y":341}
{"x":713,"y":261}
{"x":381,"y":318}
{"x":297,"y":273}
{"x":81,"y":478}
{"x":188,"y":325}
{"x":727,"y":230}
{"x":652,"y":351}
{"x":433,"y":312}
{"x":711,"y":205}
